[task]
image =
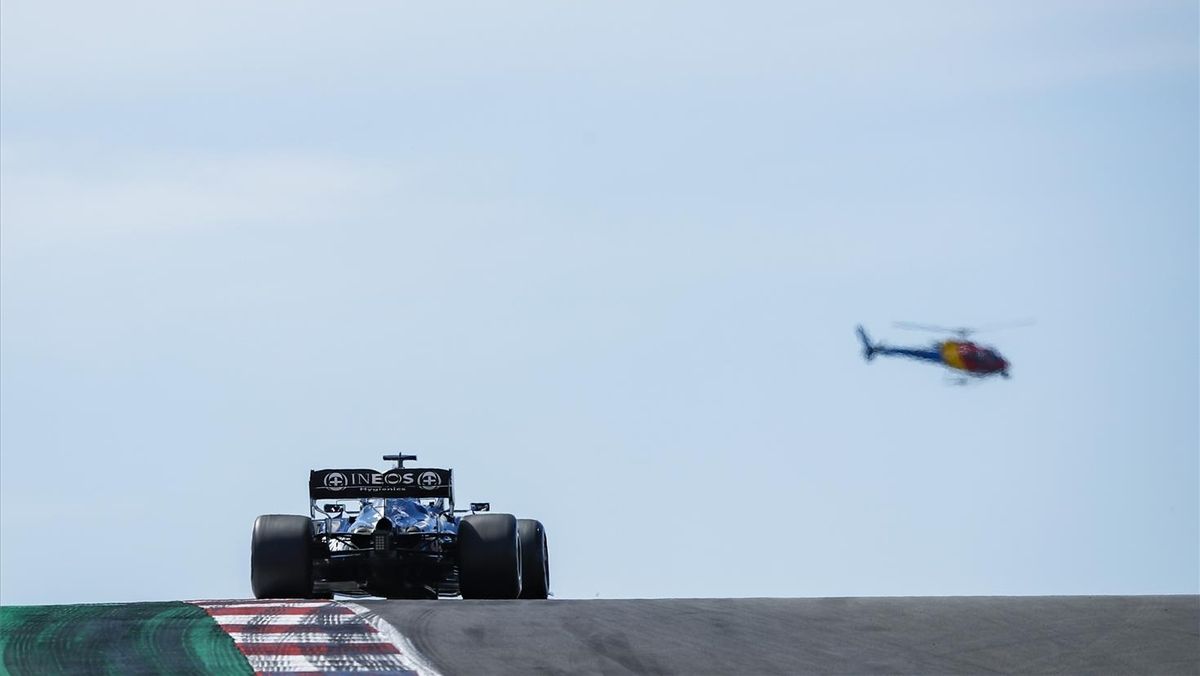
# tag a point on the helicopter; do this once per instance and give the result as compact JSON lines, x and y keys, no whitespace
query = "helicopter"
{"x":962,"y":354}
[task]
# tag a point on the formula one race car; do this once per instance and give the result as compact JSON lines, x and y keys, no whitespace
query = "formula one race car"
{"x":396,"y":534}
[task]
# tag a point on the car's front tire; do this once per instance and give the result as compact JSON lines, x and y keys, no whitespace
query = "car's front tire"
{"x":489,"y":557}
{"x":281,"y":557}
{"x":535,"y":559}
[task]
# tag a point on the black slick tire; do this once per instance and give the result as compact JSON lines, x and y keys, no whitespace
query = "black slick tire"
{"x":280,"y":557}
{"x":535,"y":559}
{"x":489,"y":557}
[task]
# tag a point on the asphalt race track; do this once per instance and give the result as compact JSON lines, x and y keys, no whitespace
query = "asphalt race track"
{"x":1100,"y":635}
{"x":1104,"y":634}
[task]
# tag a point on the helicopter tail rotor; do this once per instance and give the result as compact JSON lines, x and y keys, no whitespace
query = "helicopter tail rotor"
{"x":868,"y":348}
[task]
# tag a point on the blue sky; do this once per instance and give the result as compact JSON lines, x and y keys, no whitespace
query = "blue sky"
{"x":605,"y":260}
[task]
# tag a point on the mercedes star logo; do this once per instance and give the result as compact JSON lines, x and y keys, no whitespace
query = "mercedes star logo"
{"x":335,"y":481}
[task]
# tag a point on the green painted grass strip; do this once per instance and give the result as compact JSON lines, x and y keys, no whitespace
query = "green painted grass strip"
{"x":118,"y":639}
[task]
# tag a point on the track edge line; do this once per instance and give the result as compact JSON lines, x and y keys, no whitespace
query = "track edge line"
{"x":408,"y":651}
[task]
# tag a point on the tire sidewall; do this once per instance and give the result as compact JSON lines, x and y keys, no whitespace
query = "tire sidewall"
{"x":281,"y":557}
{"x":535,"y":559}
{"x":489,"y":557}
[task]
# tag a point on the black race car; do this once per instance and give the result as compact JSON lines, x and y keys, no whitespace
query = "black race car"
{"x":396,"y":534}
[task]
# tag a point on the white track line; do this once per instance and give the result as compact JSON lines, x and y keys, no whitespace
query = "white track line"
{"x":214,"y":603}
{"x":302,"y":637}
{"x":408,"y":651}
{"x":320,"y":664}
{"x":293,"y":620}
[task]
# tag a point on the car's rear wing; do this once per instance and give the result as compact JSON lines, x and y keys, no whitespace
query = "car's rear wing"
{"x":406,"y":482}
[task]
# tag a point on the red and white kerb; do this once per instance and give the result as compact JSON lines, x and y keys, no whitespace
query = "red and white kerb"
{"x":314,"y":637}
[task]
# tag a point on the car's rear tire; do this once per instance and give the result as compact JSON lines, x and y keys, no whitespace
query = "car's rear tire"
{"x":535,"y":560}
{"x":489,"y":557}
{"x":281,"y":557}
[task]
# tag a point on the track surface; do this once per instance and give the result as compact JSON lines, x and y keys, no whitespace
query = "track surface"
{"x":1143,"y":634}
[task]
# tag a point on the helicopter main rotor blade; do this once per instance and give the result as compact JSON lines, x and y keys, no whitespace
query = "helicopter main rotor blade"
{"x":964,"y":331}
{"x":1004,"y":326}
{"x":910,"y":326}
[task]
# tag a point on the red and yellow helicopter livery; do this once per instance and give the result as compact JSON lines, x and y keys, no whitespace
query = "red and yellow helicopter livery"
{"x":961,"y":355}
